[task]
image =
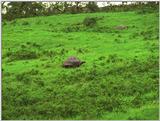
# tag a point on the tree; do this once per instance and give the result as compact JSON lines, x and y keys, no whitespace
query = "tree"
{"x":24,"y":9}
{"x":92,"y":6}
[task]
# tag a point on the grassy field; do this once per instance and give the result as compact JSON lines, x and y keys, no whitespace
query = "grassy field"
{"x":118,"y":81}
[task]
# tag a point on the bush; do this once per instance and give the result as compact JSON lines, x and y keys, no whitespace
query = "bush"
{"x":25,"y":23}
{"x":13,"y":22}
{"x":112,"y":58}
{"x":49,"y":53}
{"x":72,"y":29}
{"x":23,"y":77}
{"x":27,"y":76}
{"x":147,"y":35}
{"x":89,"y":22}
{"x":22,"y":55}
{"x":147,"y":10}
{"x":39,"y":83}
{"x":4,"y":23}
{"x":38,"y":22}
{"x":24,"y":52}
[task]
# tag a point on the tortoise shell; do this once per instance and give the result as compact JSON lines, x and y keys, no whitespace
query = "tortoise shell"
{"x":121,"y":27}
{"x":72,"y":62}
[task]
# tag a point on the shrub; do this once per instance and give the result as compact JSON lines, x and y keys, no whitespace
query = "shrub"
{"x":146,"y":10}
{"x":28,"y":76}
{"x":73,"y":28}
{"x":49,"y":53}
{"x":23,"y":77}
{"x":33,"y":72}
{"x":4,"y":23}
{"x":39,"y":83}
{"x":25,"y":23}
{"x":26,"y":54}
{"x":101,"y":58}
{"x":38,"y":22}
{"x":36,"y":45}
{"x":147,"y":35}
{"x":45,"y":22}
{"x":22,"y":54}
{"x":50,"y":25}
{"x":82,"y":50}
{"x":117,"y":40}
{"x":113,"y":58}
{"x":13,"y":22}
{"x":89,"y":22}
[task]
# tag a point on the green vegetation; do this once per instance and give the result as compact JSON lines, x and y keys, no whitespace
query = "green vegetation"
{"x":14,"y":10}
{"x":118,"y":81}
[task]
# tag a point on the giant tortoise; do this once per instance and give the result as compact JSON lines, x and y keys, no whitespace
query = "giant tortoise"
{"x":72,"y":62}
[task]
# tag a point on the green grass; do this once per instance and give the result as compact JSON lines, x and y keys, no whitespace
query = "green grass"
{"x":118,"y":81}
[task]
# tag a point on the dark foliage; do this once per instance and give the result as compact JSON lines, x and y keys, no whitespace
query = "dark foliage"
{"x":29,"y":9}
{"x":89,"y":22}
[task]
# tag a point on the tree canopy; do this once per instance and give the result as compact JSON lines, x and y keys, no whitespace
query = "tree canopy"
{"x":15,"y":10}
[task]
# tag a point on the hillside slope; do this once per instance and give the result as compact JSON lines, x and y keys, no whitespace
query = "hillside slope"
{"x":118,"y":81}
